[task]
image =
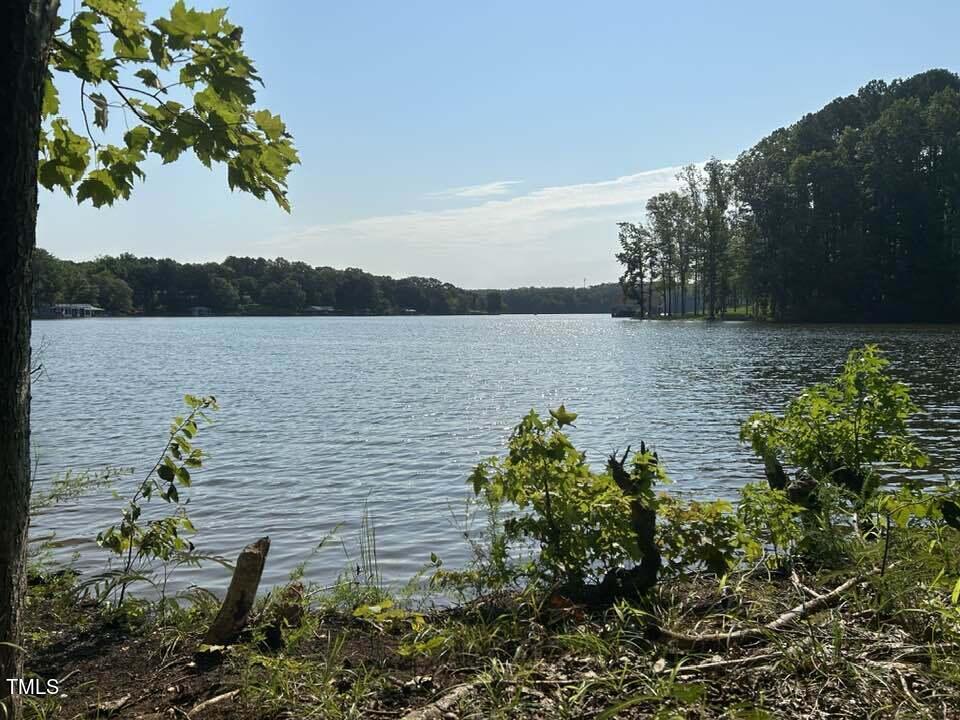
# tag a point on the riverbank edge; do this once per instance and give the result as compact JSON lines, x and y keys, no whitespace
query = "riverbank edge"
{"x":513,"y":655}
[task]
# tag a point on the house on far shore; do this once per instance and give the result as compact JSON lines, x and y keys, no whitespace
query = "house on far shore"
{"x":200,"y":311}
{"x":62,"y":311}
{"x":319,"y":310}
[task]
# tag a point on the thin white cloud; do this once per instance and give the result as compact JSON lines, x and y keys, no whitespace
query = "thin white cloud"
{"x":500,"y":187}
{"x":554,"y":235}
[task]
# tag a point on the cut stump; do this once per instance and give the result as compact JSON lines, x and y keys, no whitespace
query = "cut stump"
{"x":238,"y":602}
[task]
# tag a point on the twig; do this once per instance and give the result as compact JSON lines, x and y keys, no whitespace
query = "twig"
{"x":438,"y":708}
{"x":86,"y":122}
{"x":795,"y":579}
{"x":213,"y":701}
{"x":750,"y":660}
{"x":886,"y":547}
{"x":906,"y":690}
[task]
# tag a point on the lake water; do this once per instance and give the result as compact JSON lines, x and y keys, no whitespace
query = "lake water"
{"x":321,"y":416}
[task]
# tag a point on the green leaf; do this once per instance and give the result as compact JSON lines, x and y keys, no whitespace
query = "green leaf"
{"x":166,"y":473}
{"x":99,"y":188}
{"x":99,"y":110}
{"x":138,"y":138}
{"x":687,"y":692}
{"x":169,"y":145}
{"x":68,"y":156}
{"x":51,"y":98}
{"x":149,"y":78}
{"x":183,"y":475}
{"x":184,"y":24}
{"x":126,"y":15}
{"x":563,"y":417}
{"x":158,"y":49}
{"x":955,"y":595}
{"x":271,"y":125}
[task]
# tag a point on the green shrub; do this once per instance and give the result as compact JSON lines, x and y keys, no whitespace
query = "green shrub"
{"x":840,"y":430}
{"x":700,"y":535}
{"x":580,"y":518}
{"x":769,"y":519}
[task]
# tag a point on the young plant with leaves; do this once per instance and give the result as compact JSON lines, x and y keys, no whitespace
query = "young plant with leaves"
{"x":771,"y":521}
{"x":140,"y":543}
{"x":581,"y":519}
{"x":841,"y":430}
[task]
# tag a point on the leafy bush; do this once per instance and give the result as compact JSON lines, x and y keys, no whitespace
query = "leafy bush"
{"x":580,"y":519}
{"x":769,"y":520}
{"x":840,"y":430}
{"x":696,"y":535}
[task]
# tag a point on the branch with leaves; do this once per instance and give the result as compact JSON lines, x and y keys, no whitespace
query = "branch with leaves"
{"x":161,"y":538}
{"x":198,"y":54}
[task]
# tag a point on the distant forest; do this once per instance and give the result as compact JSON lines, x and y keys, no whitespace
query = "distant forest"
{"x":851,"y":213}
{"x":127,"y":285}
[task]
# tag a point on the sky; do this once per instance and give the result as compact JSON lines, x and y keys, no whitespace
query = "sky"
{"x":497,"y":144}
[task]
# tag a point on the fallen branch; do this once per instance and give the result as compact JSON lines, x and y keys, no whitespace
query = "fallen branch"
{"x":109,"y":707}
{"x":785,"y":620}
{"x":440,"y":707}
{"x":715,"y":664}
{"x":206,"y":704}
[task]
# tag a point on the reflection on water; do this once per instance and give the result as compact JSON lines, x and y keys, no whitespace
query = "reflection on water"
{"x":322,"y":415}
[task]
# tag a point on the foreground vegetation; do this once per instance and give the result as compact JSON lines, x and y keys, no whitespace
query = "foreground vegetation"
{"x":819,"y":593}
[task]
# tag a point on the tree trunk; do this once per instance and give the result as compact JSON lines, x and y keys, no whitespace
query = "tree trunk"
{"x":24,"y":26}
{"x":683,"y":294}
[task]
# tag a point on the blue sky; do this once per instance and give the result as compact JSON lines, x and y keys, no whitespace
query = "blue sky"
{"x":496,"y":144}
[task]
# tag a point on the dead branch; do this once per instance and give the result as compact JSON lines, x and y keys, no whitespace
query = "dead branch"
{"x":206,"y":704}
{"x":716,"y":664}
{"x":440,"y":707}
{"x":785,"y":620}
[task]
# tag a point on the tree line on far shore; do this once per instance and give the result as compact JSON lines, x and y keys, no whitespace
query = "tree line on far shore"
{"x":852,"y":213}
{"x":125,"y":284}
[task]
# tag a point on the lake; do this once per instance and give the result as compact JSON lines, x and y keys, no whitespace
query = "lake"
{"x":323,"y":416}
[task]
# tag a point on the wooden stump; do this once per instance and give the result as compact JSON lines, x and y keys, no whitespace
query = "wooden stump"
{"x":238,"y":602}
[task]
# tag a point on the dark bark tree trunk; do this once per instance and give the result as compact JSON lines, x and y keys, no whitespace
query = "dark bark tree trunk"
{"x":24,"y":28}
{"x":683,"y":294}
